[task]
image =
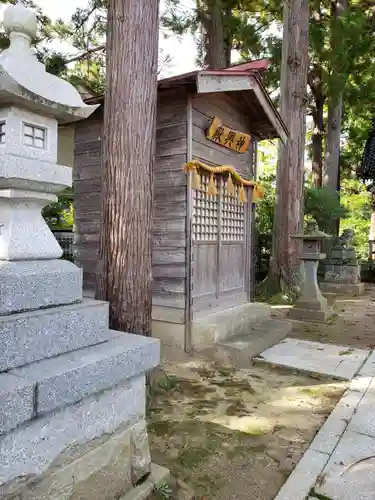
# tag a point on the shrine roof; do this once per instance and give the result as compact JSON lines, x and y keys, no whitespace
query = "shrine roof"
{"x":242,"y":81}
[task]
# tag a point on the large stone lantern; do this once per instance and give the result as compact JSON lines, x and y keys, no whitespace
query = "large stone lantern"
{"x":72,"y":392}
{"x":311,"y":305}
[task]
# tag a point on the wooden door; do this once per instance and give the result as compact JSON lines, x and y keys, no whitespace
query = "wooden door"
{"x":220,"y":237}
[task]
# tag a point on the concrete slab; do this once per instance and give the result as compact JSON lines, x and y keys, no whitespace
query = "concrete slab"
{"x":334,"y":427}
{"x":350,"y":472}
{"x":368,"y":369}
{"x":336,"y":361}
{"x":363,"y":421}
{"x":303,"y":478}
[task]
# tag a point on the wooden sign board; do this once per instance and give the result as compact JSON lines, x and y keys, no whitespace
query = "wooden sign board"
{"x":226,"y":137}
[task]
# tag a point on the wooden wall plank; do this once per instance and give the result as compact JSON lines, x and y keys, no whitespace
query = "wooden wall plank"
{"x":169,"y":271}
{"x":169,"y":285}
{"x":171,"y":131}
{"x":171,"y":148}
{"x":171,"y":113}
{"x":169,"y":314}
{"x":176,"y":239}
{"x":168,"y":256}
{"x":168,"y":163}
{"x":168,"y":299}
{"x":169,"y":225}
{"x":168,"y":209}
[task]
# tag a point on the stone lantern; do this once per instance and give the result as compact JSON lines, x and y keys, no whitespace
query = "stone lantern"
{"x":72,"y":392}
{"x":311,"y":305}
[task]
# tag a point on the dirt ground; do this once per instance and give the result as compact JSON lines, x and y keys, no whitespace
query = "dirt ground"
{"x":228,"y":434}
{"x":233,"y":434}
{"x":354,"y":324}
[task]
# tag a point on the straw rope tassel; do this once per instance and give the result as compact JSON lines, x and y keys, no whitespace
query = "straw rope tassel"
{"x":212,"y":190}
{"x":196,"y":181}
{"x":242,"y":197}
{"x":230,"y":185}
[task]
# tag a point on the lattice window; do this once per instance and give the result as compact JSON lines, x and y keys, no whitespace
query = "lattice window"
{"x":205,"y":212}
{"x":34,"y":136}
{"x":2,"y":132}
{"x":232,"y":216}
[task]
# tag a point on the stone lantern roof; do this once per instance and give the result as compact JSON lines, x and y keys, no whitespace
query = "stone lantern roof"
{"x":24,"y":80}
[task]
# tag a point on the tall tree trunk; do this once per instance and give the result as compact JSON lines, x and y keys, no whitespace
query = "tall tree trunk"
{"x":284,"y":269}
{"x":317,"y":142}
{"x":125,"y":271}
{"x":335,"y":105}
{"x":216,"y":35}
{"x":332,"y":155}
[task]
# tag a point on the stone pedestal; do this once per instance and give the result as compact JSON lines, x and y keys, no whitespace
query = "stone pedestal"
{"x":311,"y":305}
{"x":72,"y":392}
{"x":342,"y":270}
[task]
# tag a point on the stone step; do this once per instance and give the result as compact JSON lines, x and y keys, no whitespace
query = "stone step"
{"x":68,"y":378}
{"x":239,"y":351}
{"x":32,"y":336}
{"x":31,"y":285}
{"x":228,"y":323}
{"x":16,"y":401}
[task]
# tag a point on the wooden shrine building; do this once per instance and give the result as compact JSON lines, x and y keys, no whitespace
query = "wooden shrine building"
{"x":203,"y":220}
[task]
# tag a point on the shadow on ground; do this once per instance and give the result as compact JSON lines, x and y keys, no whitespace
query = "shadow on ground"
{"x":353,"y":325}
{"x":233,"y":434}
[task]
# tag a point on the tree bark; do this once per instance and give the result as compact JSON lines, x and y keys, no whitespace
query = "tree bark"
{"x":315,"y":82}
{"x":125,"y":272}
{"x":317,"y":144}
{"x":316,"y":85}
{"x":216,"y":36}
{"x":284,"y":270}
{"x":335,"y":105}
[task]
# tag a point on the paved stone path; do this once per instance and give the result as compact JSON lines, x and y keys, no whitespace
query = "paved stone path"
{"x":337,"y":361}
{"x":340,"y":462}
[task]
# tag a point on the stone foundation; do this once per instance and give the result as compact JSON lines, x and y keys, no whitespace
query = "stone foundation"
{"x":300,"y":314}
{"x":96,"y":449}
{"x":226,"y":324}
{"x":343,"y":289}
{"x":101,"y":469}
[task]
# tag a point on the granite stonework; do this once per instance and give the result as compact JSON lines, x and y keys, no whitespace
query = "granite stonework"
{"x":31,"y":449}
{"x":70,"y":377}
{"x":35,"y":335}
{"x":342,"y":269}
{"x":311,"y":305}
{"x":72,"y":392}
{"x":29,"y":285}
{"x":16,"y":401}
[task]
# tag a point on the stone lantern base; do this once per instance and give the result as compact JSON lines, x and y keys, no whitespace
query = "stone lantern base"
{"x":343,"y":289}
{"x":320,"y":316}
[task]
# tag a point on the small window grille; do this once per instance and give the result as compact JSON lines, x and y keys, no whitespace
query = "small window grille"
{"x":232,"y":217}
{"x":2,"y":132}
{"x":34,"y":136}
{"x":205,"y":212}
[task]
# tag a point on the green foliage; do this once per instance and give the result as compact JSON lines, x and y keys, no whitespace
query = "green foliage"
{"x":60,"y":215}
{"x":323,"y":205}
{"x":164,"y":491}
{"x":357,"y":201}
